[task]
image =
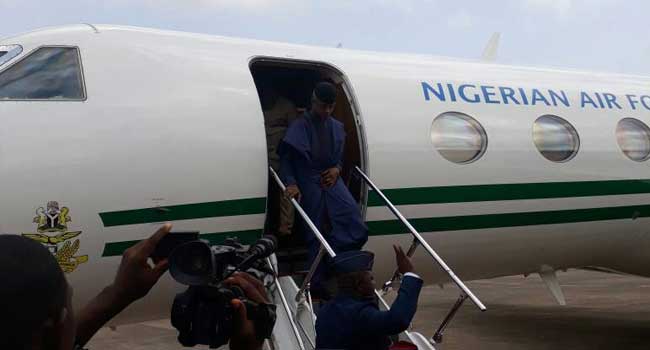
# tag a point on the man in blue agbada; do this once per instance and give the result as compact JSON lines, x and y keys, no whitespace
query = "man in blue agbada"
{"x":311,"y":157}
{"x":352,"y":320}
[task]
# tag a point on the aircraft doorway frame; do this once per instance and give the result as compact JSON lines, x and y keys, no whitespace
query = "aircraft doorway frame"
{"x":354,"y":106}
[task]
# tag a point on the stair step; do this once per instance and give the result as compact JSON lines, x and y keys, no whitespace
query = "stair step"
{"x":294,"y":257}
{"x":287,"y":267}
{"x":290,"y":252}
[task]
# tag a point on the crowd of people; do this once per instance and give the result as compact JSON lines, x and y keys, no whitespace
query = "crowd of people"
{"x":309,"y":157}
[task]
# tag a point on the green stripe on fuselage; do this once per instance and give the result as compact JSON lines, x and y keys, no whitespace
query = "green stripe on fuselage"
{"x":399,"y":196}
{"x":450,"y":223}
{"x":508,"y":192}
{"x":244,"y":237}
{"x":415,"y":196}
{"x":485,"y":221}
{"x":185,"y":212}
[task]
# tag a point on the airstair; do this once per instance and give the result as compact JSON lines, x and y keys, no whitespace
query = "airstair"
{"x":296,"y":319}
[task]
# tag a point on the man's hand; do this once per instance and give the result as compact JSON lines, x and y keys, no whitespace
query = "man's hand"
{"x":244,"y":336}
{"x":329,"y":177}
{"x":135,"y":276}
{"x":404,"y":264}
{"x":292,"y":192}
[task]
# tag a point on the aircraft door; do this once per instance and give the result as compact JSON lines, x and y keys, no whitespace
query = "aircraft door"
{"x":285,"y":88}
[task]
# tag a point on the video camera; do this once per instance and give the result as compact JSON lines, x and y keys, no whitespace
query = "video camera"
{"x":203,"y":313}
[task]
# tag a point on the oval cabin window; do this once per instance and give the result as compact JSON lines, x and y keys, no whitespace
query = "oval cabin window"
{"x":633,"y":137}
{"x":458,"y":137}
{"x":555,"y":138}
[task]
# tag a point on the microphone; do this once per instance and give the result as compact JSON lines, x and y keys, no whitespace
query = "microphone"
{"x":264,"y":247}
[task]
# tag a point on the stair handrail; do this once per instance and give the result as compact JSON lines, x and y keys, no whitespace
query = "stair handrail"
{"x":304,"y":216}
{"x":324,"y":247}
{"x":419,"y":240}
{"x":285,"y":305}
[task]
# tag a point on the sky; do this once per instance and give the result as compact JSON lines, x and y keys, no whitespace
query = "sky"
{"x":597,"y":35}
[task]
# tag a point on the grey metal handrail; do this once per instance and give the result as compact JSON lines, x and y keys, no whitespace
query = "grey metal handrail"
{"x":304,"y":216}
{"x":312,"y":270}
{"x":304,"y":331}
{"x":285,"y":304}
{"x":419,"y":240}
{"x":325,"y":246}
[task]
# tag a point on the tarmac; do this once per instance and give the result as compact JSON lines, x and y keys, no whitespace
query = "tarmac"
{"x":603,"y":311}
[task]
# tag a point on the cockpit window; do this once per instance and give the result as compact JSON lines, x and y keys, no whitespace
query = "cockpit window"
{"x":49,"y":73}
{"x":7,"y":52}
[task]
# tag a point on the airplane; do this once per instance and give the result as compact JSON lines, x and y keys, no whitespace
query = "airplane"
{"x":109,"y":131}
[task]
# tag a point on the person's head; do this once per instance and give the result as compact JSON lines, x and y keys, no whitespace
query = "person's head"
{"x":358,"y":284}
{"x":353,"y":273}
{"x":323,"y":99}
{"x":35,"y":298}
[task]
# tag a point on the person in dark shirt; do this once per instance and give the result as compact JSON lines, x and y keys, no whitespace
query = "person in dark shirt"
{"x":352,"y":320}
{"x":36,"y":299}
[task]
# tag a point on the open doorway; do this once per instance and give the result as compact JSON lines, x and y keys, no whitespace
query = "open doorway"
{"x":285,"y":88}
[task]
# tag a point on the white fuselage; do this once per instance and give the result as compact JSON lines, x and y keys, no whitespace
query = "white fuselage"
{"x":173,"y":120}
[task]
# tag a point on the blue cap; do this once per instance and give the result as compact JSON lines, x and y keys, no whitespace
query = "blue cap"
{"x":353,"y":261}
{"x":325,"y":92}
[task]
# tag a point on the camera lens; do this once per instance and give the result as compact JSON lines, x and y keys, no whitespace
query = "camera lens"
{"x":191,"y":263}
{"x":195,"y":261}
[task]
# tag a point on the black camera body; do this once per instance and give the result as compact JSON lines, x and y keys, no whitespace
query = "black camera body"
{"x":203,"y":314}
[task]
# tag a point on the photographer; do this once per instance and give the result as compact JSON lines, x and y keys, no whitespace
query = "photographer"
{"x":245,"y":337}
{"x":30,"y":321}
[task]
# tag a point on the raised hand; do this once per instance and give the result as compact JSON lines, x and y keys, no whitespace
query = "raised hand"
{"x":404,"y":264}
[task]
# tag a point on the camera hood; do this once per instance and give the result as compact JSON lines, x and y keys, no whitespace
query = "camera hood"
{"x":192,"y":263}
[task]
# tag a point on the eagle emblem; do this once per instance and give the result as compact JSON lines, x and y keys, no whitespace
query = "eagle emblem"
{"x":52,"y":231}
